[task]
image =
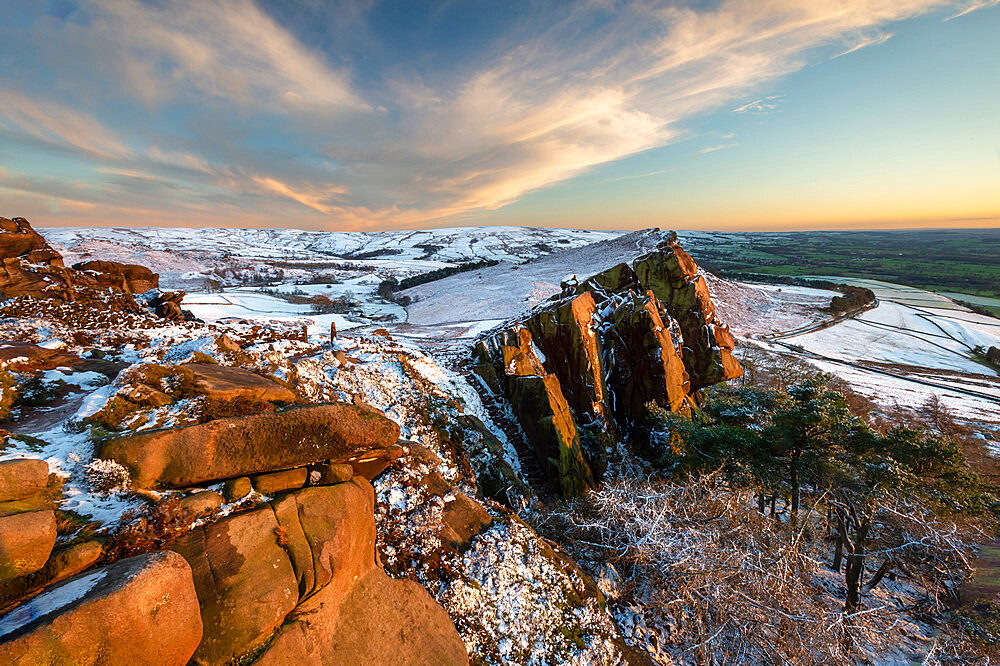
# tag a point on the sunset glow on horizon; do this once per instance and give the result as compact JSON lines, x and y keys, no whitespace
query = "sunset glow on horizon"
{"x":368,"y":115}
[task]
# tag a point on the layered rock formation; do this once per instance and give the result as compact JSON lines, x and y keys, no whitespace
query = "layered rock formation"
{"x":288,"y":575}
{"x":30,"y":267}
{"x":585,"y":365}
{"x":233,"y":447}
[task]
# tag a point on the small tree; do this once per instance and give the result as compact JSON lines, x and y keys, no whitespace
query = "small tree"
{"x":891,"y":496}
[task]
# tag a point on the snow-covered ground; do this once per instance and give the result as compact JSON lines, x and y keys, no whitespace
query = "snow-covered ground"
{"x":898,"y":333}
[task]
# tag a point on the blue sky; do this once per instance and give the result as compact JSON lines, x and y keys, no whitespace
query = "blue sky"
{"x":734,"y":114}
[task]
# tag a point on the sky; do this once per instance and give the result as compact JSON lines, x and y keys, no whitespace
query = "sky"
{"x":368,"y":115}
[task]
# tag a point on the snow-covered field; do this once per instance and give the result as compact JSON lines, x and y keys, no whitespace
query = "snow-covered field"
{"x":914,"y":345}
{"x":505,"y":290}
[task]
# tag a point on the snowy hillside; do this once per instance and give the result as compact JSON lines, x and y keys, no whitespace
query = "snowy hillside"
{"x":447,"y":245}
{"x":502,"y":291}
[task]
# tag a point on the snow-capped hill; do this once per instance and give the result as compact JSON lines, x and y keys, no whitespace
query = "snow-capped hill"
{"x":445,"y":245}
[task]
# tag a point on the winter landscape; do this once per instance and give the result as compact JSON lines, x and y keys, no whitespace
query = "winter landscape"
{"x":514,"y":473}
{"x":647,"y":333}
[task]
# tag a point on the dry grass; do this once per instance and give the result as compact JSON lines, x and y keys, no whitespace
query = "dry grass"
{"x":719,"y":583}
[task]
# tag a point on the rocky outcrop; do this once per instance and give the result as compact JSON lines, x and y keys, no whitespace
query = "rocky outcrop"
{"x":30,"y":267}
{"x":293,"y":579}
{"x":644,"y":359}
{"x":300,"y":576}
{"x":233,"y":447}
{"x":141,"y":610}
{"x":582,"y":367}
{"x":167,"y":304}
{"x":510,"y":364}
{"x":673,"y":277}
{"x":18,"y":239}
{"x":573,"y":351}
{"x":130,"y":278}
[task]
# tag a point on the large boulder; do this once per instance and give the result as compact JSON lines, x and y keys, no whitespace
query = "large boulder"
{"x":22,"y":477}
{"x":351,"y":612}
{"x":26,"y":540}
{"x":227,"y":448}
{"x":142,"y":610}
{"x":295,"y":574}
{"x":244,"y":580}
{"x":131,"y":278}
{"x":227,"y":383}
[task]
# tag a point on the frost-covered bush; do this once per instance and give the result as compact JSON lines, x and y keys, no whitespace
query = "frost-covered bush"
{"x":107,"y":475}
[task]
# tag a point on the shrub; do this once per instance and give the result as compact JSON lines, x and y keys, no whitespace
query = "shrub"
{"x":113,"y":415}
{"x":147,"y":529}
{"x":106,"y":475}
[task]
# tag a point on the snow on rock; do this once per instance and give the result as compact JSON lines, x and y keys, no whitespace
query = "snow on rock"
{"x":513,"y":605}
{"x":49,"y":602}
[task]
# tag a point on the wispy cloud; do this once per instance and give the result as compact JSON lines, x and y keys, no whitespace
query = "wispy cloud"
{"x":234,"y":113}
{"x":973,"y":5}
{"x":636,"y":176}
{"x":760,"y":107}
{"x":225,"y":48}
{"x":317,"y":199}
{"x":57,"y":125}
{"x":715,"y":147}
{"x":866,"y":39}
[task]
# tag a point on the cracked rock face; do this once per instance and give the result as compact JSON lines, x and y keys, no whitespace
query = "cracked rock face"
{"x":595,"y":356}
